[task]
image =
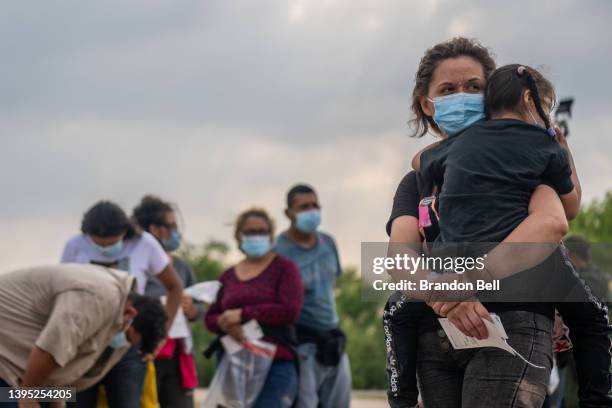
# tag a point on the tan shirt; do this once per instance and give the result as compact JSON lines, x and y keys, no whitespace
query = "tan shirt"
{"x":70,"y":311}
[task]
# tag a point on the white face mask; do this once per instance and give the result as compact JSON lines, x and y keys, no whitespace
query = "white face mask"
{"x":535,"y":122}
{"x":551,"y":131}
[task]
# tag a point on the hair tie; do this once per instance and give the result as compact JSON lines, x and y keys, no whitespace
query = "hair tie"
{"x":520,"y":70}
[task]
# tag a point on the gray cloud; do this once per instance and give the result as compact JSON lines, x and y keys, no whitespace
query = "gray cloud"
{"x":222,"y":104}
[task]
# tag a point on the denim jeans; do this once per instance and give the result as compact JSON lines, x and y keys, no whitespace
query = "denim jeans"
{"x":323,"y":386}
{"x":123,"y":384}
{"x":488,"y":377}
{"x":281,"y":386}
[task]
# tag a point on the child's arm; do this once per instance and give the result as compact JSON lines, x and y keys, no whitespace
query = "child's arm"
{"x":571,"y":201}
{"x":561,"y":175}
{"x":571,"y":204}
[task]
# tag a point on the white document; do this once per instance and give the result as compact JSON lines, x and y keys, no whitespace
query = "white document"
{"x":252,"y":331}
{"x":230,"y":345}
{"x":497,"y":337}
{"x":180,"y":327}
{"x":204,"y":291}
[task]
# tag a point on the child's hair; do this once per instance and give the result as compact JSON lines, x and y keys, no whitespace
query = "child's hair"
{"x":505,"y":88}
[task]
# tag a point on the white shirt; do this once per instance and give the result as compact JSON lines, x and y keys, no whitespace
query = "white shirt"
{"x":142,"y":256}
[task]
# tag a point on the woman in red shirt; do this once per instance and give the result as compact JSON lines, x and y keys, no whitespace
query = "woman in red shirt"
{"x":268,"y":288}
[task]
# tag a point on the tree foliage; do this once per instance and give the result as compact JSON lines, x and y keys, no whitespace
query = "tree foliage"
{"x":595,"y":220}
{"x":362,"y":322}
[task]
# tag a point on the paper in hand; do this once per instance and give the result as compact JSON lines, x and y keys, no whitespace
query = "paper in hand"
{"x":179,"y":328}
{"x":497,"y":337}
{"x":252,"y":331}
{"x":204,"y":291}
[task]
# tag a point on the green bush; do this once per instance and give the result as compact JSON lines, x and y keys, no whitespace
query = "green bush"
{"x":595,"y":220}
{"x":362,"y":322}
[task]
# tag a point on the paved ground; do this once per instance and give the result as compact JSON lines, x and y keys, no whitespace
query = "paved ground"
{"x":361,"y":399}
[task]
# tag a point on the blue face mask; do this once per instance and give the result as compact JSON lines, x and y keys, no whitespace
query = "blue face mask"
{"x":110,"y":251}
{"x":308,"y":221}
{"x":255,"y":246}
{"x":458,"y":111}
{"x":119,"y":341}
{"x":174,"y":242}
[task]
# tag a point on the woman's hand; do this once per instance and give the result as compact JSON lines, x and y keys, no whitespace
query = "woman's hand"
{"x":442,"y":308}
{"x":230,"y":317}
{"x":467,"y":316}
{"x":189,"y":308}
{"x":235,"y":331}
{"x":571,"y":201}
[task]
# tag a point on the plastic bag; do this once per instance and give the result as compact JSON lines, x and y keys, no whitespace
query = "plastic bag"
{"x":240,"y":376}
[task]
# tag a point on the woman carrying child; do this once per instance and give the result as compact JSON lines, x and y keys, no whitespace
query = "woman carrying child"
{"x":454,"y":75}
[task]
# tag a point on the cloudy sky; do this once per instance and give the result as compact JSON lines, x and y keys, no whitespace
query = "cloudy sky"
{"x":220,"y":105}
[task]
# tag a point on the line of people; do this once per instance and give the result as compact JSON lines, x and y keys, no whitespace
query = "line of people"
{"x":100,"y":320}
